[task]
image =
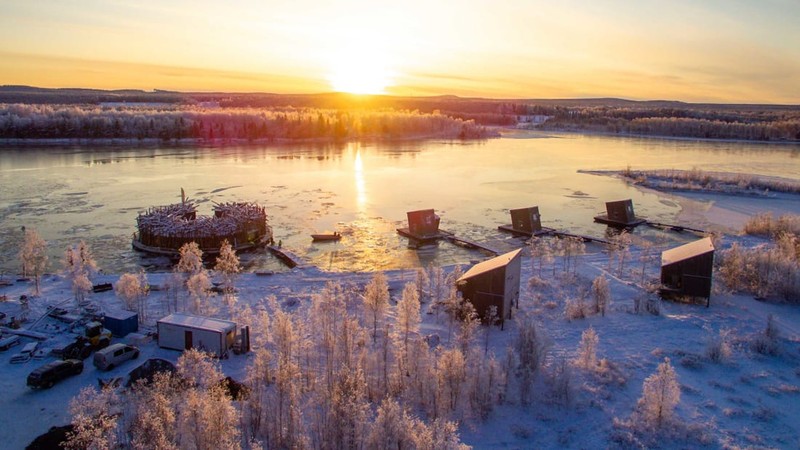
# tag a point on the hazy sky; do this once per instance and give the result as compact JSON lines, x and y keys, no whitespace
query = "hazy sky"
{"x":692,"y":50}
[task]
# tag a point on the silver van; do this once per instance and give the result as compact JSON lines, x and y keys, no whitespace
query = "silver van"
{"x":114,"y":355}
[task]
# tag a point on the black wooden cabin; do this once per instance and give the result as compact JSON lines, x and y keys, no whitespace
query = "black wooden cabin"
{"x":620,"y":214}
{"x":686,"y":271}
{"x":494,"y":282}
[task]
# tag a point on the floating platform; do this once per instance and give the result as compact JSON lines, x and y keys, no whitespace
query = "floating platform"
{"x":287,"y":257}
{"x":517,"y":232}
{"x":423,"y":238}
{"x":603,"y":218}
{"x":173,"y":253}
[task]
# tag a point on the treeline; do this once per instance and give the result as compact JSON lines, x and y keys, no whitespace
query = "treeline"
{"x":768,"y":124}
{"x":193,"y":122}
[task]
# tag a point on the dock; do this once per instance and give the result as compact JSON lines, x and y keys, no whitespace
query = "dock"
{"x":678,"y":228}
{"x":286,"y":256}
{"x":447,"y":236}
{"x":584,"y":238}
{"x":467,"y":243}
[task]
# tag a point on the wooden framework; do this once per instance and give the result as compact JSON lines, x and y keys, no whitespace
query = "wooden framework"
{"x":165,"y":229}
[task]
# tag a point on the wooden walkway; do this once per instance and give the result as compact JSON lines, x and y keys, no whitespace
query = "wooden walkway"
{"x":678,"y":228}
{"x":510,"y":229}
{"x":584,"y":238}
{"x":447,"y":236}
{"x":288,"y":258}
{"x":467,"y":243}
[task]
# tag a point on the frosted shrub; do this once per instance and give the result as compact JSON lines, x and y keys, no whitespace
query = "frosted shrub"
{"x":718,"y":348}
{"x":562,"y":383}
{"x":575,"y":308}
{"x":767,"y":342}
{"x":601,"y":295}
{"x":531,"y":347}
{"x":587,"y":351}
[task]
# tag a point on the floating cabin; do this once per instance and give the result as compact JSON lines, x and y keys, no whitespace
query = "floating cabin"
{"x":164,"y":229}
{"x":494,"y":282}
{"x":183,"y":331}
{"x":525,"y":222}
{"x":686,"y":270}
{"x":620,"y":214}
{"x":423,"y":225}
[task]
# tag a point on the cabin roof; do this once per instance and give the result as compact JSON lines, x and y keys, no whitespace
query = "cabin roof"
{"x":686,"y":251}
{"x":200,"y":323}
{"x":491,"y":264}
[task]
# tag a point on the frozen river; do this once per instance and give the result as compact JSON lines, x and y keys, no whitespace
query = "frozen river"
{"x":362,"y":190}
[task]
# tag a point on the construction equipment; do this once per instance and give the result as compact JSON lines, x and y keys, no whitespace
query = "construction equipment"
{"x":95,"y":337}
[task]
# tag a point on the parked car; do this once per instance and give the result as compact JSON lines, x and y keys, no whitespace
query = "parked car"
{"x":25,"y":354}
{"x":8,"y":342}
{"x":114,"y":355}
{"x":51,"y":373}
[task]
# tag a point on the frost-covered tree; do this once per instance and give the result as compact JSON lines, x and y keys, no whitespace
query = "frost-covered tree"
{"x":601,"y":295}
{"x":531,"y":347}
{"x":661,"y":393}
{"x":392,"y":428}
{"x":33,"y":256}
{"x":468,"y":326}
{"x":620,"y":247}
{"x":227,"y":265}
{"x":131,"y":290}
{"x":199,"y":286}
{"x":198,"y":368}
{"x":451,"y":375}
{"x":79,"y":265}
{"x":191,"y":258}
{"x":587,"y":350}
{"x":153,"y":406}
{"x":376,"y":300}
{"x":541,"y":253}
{"x":95,"y":416}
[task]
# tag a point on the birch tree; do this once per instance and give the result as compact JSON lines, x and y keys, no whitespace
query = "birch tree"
{"x":228,"y":265}
{"x":33,"y":256}
{"x":661,"y":393}
{"x":376,"y":300}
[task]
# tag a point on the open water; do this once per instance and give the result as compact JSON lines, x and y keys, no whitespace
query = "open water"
{"x":362,"y":190}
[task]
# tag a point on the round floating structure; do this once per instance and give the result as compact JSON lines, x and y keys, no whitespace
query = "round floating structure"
{"x":165,"y":229}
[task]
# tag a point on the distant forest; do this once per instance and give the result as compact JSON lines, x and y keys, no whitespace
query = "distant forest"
{"x":38,"y":113}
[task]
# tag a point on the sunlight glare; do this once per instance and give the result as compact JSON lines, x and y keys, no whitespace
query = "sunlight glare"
{"x":361,"y":190}
{"x":361,"y":70}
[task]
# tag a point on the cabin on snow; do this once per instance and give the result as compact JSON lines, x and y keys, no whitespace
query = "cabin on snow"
{"x":183,"y":331}
{"x":619,"y":214}
{"x":525,"y":222}
{"x":494,"y":282}
{"x":686,"y":270}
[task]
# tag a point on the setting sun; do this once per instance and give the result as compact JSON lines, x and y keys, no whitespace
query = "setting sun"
{"x":359,"y":71}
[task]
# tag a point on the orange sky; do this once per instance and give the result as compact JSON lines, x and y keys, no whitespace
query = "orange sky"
{"x":714,"y":50}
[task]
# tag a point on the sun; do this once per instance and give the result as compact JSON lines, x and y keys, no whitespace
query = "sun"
{"x":359,"y":71}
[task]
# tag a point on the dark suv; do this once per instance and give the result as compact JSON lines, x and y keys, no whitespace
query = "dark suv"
{"x":53,"y":372}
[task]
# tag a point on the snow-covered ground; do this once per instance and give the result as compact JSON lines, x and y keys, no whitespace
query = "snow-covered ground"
{"x":747,"y":400}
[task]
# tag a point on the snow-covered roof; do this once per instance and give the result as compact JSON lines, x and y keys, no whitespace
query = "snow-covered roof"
{"x":491,"y":264}
{"x":198,"y":322}
{"x":687,"y":251}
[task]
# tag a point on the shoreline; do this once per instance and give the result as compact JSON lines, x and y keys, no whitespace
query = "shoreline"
{"x":660,"y":137}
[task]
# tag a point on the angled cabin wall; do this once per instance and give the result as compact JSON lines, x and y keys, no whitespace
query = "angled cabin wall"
{"x":621,"y":211}
{"x":497,"y":286}
{"x":423,"y":222}
{"x":691,"y":276}
{"x":526,"y":219}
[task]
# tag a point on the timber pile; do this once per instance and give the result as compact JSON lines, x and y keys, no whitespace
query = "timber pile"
{"x":172,"y":226}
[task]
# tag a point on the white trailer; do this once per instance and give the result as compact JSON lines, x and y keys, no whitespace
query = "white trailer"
{"x":183,"y":331}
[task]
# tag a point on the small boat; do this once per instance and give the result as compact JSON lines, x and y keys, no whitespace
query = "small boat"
{"x":335,"y":236}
